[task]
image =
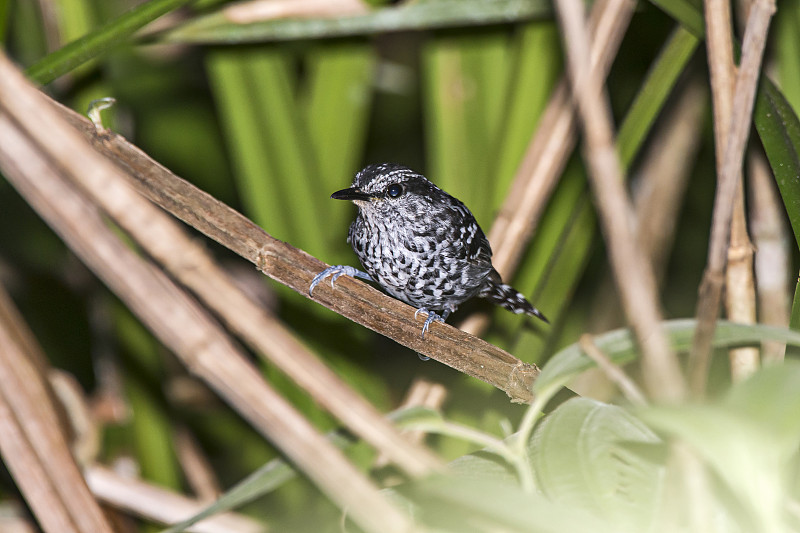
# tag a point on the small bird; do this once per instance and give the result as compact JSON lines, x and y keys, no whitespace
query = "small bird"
{"x":421,"y":245}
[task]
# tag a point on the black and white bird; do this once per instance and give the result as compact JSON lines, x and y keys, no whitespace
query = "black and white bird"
{"x":420,"y":245}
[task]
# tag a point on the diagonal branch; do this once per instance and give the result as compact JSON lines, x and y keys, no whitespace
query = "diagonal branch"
{"x":295,"y":268}
{"x":183,"y":325}
{"x":166,"y":241}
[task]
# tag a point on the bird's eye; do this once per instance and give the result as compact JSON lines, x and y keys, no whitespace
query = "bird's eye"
{"x":394,"y":190}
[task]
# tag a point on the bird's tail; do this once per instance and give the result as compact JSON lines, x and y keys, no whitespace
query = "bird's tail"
{"x":509,"y":298}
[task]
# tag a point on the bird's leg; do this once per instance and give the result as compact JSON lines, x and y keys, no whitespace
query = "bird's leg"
{"x":431,"y":317}
{"x":335,"y":272}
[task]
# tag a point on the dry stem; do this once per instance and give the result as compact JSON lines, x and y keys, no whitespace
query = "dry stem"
{"x":32,"y":444}
{"x":161,"y":505}
{"x":632,"y":272}
{"x":740,"y":296}
{"x":729,"y":176}
{"x":548,"y":152}
{"x":773,"y":253}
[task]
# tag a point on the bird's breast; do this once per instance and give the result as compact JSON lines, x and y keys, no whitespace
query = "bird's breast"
{"x":421,"y":265}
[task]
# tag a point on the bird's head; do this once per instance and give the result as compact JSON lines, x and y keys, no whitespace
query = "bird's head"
{"x":389,"y":189}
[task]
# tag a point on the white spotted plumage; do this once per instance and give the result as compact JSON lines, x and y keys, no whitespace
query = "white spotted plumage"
{"x":422,"y":245}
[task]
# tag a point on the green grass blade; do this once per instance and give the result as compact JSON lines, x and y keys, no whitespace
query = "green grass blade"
{"x":537,"y":66}
{"x":431,"y":14}
{"x":620,"y":346}
{"x":465,"y":80}
{"x":337,"y":113}
{"x":262,"y":481}
{"x":270,"y":148}
{"x":685,"y":12}
{"x":4,"y":19}
{"x":779,"y":130}
{"x":238,"y":96}
{"x":787,"y":50}
{"x":661,"y":79}
{"x":100,"y":41}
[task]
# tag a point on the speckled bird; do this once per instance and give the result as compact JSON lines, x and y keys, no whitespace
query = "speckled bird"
{"x":421,"y":245}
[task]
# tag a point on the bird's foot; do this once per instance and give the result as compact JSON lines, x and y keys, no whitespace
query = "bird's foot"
{"x":335,"y":272}
{"x":431,"y":318}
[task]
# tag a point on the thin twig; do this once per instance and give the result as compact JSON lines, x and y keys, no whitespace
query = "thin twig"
{"x":161,"y":505}
{"x":196,"y":466}
{"x":548,"y":152}
{"x":729,"y":176}
{"x":612,"y":371}
{"x":632,"y":272}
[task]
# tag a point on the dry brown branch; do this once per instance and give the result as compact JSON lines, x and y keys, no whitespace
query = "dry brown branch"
{"x":161,"y":505}
{"x":196,"y":467}
{"x":740,"y":294}
{"x":773,"y":253}
{"x":729,"y":177}
{"x":658,"y":192}
{"x":548,"y":152}
{"x":29,"y":474}
{"x":32,"y":444}
{"x":295,"y":268}
{"x":176,"y":320}
{"x":161,"y":237}
{"x":665,"y":170}
{"x":740,"y":290}
{"x":632,"y":272}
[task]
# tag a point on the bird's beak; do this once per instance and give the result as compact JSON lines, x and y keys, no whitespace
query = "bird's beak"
{"x":351,"y":194}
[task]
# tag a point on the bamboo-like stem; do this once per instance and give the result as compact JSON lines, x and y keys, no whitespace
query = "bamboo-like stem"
{"x":30,"y":476}
{"x":161,"y":505}
{"x":548,"y":152}
{"x":773,"y":253}
{"x":632,"y":272}
{"x":32,"y":444}
{"x":740,"y":294}
{"x":729,"y":176}
{"x":740,"y":290}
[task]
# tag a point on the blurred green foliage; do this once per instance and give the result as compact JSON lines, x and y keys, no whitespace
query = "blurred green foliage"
{"x":273,"y":128}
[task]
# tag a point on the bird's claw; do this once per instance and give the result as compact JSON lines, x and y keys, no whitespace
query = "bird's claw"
{"x":335,"y":272}
{"x":431,"y":318}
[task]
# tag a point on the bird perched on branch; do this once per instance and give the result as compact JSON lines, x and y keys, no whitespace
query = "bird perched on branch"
{"x":420,"y":245}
